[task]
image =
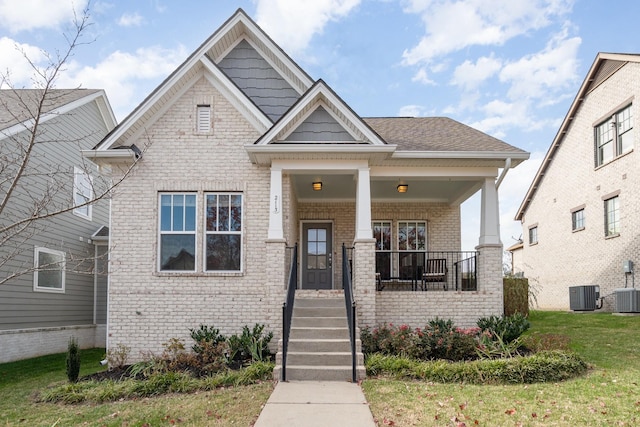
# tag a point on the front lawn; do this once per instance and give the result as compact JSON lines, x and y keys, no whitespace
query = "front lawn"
{"x":608,"y":395}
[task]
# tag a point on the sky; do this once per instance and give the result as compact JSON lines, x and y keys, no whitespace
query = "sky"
{"x":510,"y":68}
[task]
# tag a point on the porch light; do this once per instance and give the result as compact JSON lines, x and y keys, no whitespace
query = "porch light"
{"x":402,"y":188}
{"x":317,"y":186}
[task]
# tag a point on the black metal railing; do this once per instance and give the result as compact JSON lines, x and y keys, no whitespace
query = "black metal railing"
{"x":427,"y":270}
{"x":287,"y":308}
{"x":350,"y":306}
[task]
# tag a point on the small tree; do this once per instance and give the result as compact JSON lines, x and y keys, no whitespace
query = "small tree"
{"x":73,"y":360}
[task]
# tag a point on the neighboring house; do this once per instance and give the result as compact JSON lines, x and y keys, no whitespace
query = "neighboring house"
{"x":581,"y":215}
{"x":517,"y":267}
{"x":56,"y":267}
{"x":243,"y":156}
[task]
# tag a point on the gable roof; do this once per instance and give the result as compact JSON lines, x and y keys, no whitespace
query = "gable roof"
{"x":604,"y":65}
{"x":18,"y":107}
{"x":205,"y":61}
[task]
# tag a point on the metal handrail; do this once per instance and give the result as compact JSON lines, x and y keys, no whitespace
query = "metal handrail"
{"x":287,"y":309}
{"x":350,"y":306}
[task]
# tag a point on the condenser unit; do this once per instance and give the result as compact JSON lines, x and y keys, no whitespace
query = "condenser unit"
{"x":584,"y":298}
{"x":627,"y":300}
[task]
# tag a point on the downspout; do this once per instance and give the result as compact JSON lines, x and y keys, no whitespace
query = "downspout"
{"x":95,"y":282}
{"x":507,"y":166}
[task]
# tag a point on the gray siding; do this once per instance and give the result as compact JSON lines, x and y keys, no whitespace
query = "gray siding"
{"x":320,"y":126}
{"x":102,"y":289}
{"x":20,"y":306}
{"x":258,"y":80}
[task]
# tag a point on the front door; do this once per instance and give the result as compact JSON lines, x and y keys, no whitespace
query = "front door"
{"x":317,"y":270}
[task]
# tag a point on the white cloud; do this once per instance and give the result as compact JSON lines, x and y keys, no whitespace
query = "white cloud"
{"x":131,"y":20}
{"x":292,"y":23}
{"x":121,"y":74}
{"x":413,"y":111}
{"x":454,"y":25}
{"x":469,"y":75}
{"x":545,"y":73}
{"x":35,"y":14}
{"x":422,"y":77}
{"x":14,"y":65}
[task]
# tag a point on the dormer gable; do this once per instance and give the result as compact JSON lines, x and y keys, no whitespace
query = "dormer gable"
{"x":320,"y":117}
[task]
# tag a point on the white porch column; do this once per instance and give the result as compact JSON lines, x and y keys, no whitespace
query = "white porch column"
{"x":363,"y":205}
{"x":489,"y":215}
{"x":275,"y":205}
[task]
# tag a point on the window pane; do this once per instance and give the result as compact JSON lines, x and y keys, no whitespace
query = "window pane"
{"x":612,"y":216}
{"x":223,"y":252}
{"x":51,"y":274}
{"x":165,"y":212}
{"x":312,"y":248}
{"x":190,"y":213}
{"x":236,"y":212}
{"x":322,"y":235}
{"x":402,"y":237}
{"x":321,"y":248}
{"x":177,"y":252}
{"x":223,"y":212}
{"x":312,"y":234}
{"x":212,"y":213}
{"x":386,"y":236}
{"x":178,"y":212}
{"x":422,"y":232}
{"x":626,"y":142}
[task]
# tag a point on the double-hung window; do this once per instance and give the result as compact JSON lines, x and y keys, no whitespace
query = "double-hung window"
{"x":614,"y":136}
{"x":611,"y":216}
{"x":412,"y":244}
{"x":177,"y":232}
{"x":49,"y":267}
{"x":533,"y":235}
{"x":382,"y":234}
{"x":82,"y":192}
{"x":223,"y":240}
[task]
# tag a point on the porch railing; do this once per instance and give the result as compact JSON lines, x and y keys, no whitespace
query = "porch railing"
{"x":287,"y":308}
{"x":427,"y":270}
{"x":350,"y":305}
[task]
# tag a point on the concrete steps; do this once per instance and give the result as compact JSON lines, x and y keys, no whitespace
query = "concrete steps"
{"x":319,"y":346}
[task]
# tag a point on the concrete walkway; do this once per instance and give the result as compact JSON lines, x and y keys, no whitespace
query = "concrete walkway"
{"x":316,"y":404}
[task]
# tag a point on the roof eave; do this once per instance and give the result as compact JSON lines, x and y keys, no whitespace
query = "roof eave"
{"x":264,"y":154}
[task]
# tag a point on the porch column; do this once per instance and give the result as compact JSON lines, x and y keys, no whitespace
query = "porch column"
{"x":275,"y":205}
{"x":363,"y":205}
{"x":489,"y":215}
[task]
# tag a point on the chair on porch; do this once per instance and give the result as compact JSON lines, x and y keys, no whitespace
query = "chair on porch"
{"x":435,"y":271}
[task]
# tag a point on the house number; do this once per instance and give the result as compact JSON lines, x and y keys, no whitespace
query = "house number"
{"x":275,"y":204}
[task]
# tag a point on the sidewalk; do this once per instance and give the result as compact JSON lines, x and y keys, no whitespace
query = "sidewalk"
{"x":316,"y":404}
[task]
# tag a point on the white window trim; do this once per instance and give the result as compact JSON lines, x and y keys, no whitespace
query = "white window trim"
{"x":36,"y":270}
{"x":76,"y":190}
{"x":531,"y":227}
{"x":161,"y":233}
{"x":606,"y":199}
{"x":207,"y":232}
{"x":415,"y":221}
{"x":611,"y":120}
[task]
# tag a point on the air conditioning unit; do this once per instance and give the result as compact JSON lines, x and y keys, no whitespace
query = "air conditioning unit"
{"x":583,"y":298}
{"x":627,"y":300}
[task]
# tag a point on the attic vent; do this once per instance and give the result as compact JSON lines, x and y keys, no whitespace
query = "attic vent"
{"x":203,"y":119}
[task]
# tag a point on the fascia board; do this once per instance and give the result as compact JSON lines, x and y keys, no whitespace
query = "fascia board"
{"x":516,"y":157}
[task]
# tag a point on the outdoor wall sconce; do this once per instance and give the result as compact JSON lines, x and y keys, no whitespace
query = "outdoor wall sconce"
{"x":402,"y":188}
{"x":317,"y":186}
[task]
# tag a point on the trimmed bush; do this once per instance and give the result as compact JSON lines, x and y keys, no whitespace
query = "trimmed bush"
{"x":507,"y":328}
{"x":546,"y":366}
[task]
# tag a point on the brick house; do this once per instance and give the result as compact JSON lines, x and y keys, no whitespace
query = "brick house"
{"x":580,"y":214}
{"x":242,"y":155}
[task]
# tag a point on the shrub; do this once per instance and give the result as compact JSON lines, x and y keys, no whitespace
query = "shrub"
{"x":492,"y":346}
{"x":547,"y":366}
{"x":516,"y":295}
{"x":508,"y":328}
{"x":73,"y":360}
{"x":117,"y":356}
{"x":441,"y":340}
{"x":205,"y":334}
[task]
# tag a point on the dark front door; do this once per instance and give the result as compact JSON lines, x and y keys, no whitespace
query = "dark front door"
{"x":317,"y":270}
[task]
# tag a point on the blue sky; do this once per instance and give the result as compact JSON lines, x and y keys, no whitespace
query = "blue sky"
{"x":510,"y":68}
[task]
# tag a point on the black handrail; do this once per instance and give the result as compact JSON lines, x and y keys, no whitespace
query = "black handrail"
{"x":287,"y":309}
{"x":351,"y":309}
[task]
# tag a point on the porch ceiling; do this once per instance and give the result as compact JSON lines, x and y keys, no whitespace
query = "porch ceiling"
{"x":342,"y":187}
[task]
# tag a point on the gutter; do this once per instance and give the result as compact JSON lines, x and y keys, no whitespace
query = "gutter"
{"x":507,"y":166}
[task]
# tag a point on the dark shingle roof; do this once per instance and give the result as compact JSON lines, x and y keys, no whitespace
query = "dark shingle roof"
{"x":19,"y":105}
{"x":435,"y":134}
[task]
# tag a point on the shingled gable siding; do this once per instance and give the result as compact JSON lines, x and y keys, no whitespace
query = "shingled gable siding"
{"x":148,"y":308}
{"x":320,"y":126}
{"x":565,"y":258}
{"x":258,"y":80}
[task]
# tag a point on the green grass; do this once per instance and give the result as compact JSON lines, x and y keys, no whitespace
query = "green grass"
{"x":608,"y":395}
{"x":21,"y":381}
